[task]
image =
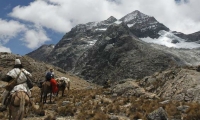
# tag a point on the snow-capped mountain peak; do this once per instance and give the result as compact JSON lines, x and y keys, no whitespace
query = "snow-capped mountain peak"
{"x":134,"y":15}
{"x":111,"y":19}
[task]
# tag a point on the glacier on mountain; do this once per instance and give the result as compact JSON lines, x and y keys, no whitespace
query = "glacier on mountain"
{"x":166,"y":39}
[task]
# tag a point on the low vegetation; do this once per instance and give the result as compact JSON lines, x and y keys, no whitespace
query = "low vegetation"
{"x":98,"y":104}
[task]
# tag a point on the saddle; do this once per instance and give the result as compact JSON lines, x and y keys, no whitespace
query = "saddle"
{"x":53,"y":86}
{"x":40,"y":83}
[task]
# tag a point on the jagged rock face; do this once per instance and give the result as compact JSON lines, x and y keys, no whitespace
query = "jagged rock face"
{"x":72,"y":46}
{"x":74,"y":43}
{"x":41,"y":52}
{"x":117,"y":55}
{"x":142,"y":25}
{"x":194,"y":37}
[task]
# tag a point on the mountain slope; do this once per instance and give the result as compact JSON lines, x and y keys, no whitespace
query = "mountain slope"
{"x":38,"y":70}
{"x":68,"y":50}
{"x":117,"y":56}
{"x":42,"y":52}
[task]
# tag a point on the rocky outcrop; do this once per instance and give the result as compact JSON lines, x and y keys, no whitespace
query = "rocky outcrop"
{"x":193,"y":37}
{"x":130,"y":87}
{"x":180,"y":84}
{"x":158,"y":114}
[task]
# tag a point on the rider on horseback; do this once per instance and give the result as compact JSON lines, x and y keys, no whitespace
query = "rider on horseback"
{"x":19,"y":74}
{"x":50,"y":77}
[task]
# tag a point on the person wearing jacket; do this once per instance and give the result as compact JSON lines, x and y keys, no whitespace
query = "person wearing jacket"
{"x":21,"y":73}
{"x":50,"y":77}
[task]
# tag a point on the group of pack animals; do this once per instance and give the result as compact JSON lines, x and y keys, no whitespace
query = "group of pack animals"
{"x":19,"y":101}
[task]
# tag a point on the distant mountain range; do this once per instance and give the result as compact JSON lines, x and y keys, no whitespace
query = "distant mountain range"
{"x":117,"y":49}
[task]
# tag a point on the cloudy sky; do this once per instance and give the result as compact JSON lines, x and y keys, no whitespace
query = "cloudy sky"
{"x":25,"y":25}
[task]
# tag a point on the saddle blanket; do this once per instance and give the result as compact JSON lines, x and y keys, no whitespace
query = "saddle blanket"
{"x":20,"y":87}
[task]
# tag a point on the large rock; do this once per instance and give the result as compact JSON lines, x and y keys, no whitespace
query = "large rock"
{"x":158,"y":114}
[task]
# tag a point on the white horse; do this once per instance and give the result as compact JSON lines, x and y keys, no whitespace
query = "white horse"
{"x":63,"y":83}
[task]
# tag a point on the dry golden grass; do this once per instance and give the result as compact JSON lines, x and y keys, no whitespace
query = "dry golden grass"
{"x":93,"y":104}
{"x":193,"y":113}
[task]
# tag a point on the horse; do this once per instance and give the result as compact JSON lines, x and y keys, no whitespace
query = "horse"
{"x":45,"y":89}
{"x":17,"y":105}
{"x":63,"y":83}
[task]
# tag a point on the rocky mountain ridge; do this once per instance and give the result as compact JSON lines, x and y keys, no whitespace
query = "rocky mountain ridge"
{"x":88,"y":45}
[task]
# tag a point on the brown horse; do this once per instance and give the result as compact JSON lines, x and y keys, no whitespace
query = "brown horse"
{"x":18,"y":105}
{"x":45,"y":89}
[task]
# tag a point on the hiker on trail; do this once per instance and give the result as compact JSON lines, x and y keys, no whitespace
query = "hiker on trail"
{"x":18,"y":74}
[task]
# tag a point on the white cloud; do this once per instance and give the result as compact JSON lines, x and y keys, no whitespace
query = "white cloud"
{"x":34,"y":38}
{"x":9,"y":29}
{"x":179,"y":17}
{"x":4,"y":49}
{"x":62,"y":15}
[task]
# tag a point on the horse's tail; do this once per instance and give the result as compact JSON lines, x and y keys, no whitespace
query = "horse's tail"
{"x":22,"y":104}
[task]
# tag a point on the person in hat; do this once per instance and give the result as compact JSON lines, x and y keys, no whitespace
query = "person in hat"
{"x":20,"y":74}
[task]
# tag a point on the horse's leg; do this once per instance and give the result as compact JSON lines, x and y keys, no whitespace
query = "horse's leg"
{"x":63,"y":90}
{"x":57,"y":93}
{"x":68,"y":85}
{"x":41,"y":95}
{"x":45,"y":98}
{"x":50,"y":96}
{"x":10,"y":112}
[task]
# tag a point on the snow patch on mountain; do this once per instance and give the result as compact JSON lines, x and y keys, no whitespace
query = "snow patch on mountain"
{"x":189,"y":57}
{"x":167,"y":39}
{"x":101,"y":29}
{"x":92,"y":42}
{"x":130,"y":25}
{"x":118,"y":22}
